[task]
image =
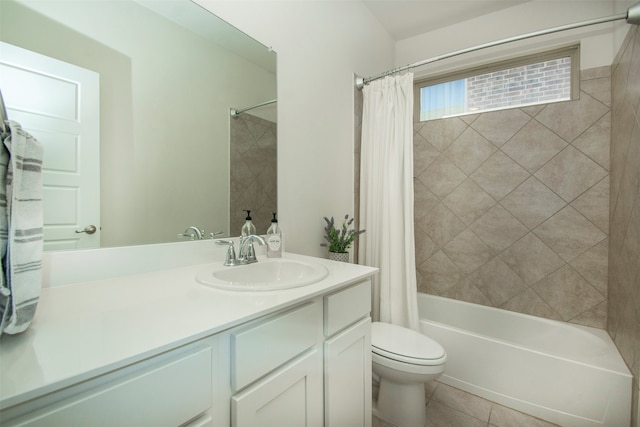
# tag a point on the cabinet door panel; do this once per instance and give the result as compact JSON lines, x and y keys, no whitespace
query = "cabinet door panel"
{"x":292,"y":396}
{"x":348,"y":377}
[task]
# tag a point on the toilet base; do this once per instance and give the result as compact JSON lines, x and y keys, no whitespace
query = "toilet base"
{"x":402,"y":405}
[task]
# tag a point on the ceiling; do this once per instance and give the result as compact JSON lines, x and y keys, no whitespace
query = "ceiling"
{"x":407,"y":18}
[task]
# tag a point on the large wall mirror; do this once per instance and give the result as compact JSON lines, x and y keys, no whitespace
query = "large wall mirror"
{"x":169,"y":154}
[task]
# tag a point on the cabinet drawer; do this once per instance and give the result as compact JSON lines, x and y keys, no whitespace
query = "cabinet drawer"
{"x":168,"y":393}
{"x":262,"y":348}
{"x":346,"y":306}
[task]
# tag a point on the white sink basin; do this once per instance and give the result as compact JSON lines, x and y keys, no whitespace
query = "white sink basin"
{"x":264,"y":275}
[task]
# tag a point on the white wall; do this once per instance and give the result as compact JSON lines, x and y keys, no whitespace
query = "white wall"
{"x":598,"y":44}
{"x":320,"y":44}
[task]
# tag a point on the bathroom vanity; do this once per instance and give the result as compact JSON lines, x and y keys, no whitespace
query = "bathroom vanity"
{"x":159,"y":348}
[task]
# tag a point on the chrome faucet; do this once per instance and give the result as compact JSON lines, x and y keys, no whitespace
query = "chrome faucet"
{"x":193,"y":233}
{"x":247,"y":254}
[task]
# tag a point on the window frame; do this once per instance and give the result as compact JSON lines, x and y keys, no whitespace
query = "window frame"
{"x":572,"y":51}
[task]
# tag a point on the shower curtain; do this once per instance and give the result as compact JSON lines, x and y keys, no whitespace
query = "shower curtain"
{"x":386,"y":198}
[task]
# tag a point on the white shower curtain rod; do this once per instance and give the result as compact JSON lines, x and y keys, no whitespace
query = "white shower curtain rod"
{"x":235,"y":113}
{"x":632,"y":16}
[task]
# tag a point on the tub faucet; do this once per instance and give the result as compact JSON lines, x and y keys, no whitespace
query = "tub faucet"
{"x":192,"y":232}
{"x":247,"y":254}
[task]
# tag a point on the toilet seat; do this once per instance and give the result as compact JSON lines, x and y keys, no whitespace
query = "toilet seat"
{"x":405,"y":345}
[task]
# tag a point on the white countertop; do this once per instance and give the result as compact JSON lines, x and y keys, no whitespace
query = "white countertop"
{"x":86,"y":329}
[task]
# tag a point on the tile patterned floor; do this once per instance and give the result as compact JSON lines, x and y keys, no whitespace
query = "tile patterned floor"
{"x":447,"y":406}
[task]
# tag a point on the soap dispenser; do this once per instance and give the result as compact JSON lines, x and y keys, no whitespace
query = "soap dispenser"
{"x":248,"y":228}
{"x":274,"y":239}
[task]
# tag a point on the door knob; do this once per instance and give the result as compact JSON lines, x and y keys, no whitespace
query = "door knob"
{"x":89,"y":229}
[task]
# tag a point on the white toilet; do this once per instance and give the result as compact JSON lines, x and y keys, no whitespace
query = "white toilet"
{"x":404,"y":360}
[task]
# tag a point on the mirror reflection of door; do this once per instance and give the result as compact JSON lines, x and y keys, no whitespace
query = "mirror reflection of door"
{"x":57,"y":103}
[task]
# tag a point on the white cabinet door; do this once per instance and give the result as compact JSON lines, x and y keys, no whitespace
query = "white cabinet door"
{"x":292,"y":396}
{"x":348,"y":377}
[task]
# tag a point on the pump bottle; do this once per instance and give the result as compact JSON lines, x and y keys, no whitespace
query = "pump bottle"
{"x":274,"y":239}
{"x":247,"y":228}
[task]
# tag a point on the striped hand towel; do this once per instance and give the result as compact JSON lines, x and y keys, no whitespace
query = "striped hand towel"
{"x":21,"y":229}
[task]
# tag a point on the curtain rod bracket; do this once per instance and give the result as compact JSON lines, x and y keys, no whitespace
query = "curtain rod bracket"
{"x":359,"y":82}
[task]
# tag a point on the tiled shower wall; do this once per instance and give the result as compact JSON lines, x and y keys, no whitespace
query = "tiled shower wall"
{"x":512,"y":207}
{"x":253,"y":176}
{"x":624,"y":251}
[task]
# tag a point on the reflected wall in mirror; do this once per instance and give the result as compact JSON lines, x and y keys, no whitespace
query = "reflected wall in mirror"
{"x":165,"y":90}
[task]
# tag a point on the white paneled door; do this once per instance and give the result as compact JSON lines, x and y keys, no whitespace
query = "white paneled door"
{"x":58,"y":103}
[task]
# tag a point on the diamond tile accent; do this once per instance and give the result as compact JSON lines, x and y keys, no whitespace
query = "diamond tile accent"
{"x":499,"y":126}
{"x":425,"y":247}
{"x":441,"y":133}
{"x":600,"y":89}
{"x":440,"y":272}
{"x":529,"y":302}
{"x":533,"y":146}
{"x":469,"y":150}
{"x":497,"y":281}
{"x":498,"y":229}
{"x":467,"y":251}
{"x":570,"y":173}
{"x":468,"y":201}
{"x":499,"y":175}
{"x":532,"y":203}
{"x":423,"y":200}
{"x":594,"y":204}
{"x":442,"y":177}
{"x":465,"y":290}
{"x":531,"y":259}
{"x":516,"y":195}
{"x":594,"y":142}
{"x":441,"y":225}
{"x":592,"y":265}
{"x":253,"y":177}
{"x":569,"y":234}
{"x":568,"y":293}
{"x":570,"y":119}
{"x":423,"y":154}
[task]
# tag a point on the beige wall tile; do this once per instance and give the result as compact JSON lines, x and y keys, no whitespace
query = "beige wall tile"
{"x":568,"y":120}
{"x":569,"y":234}
{"x":532,"y":203}
{"x":469,"y":150}
{"x":531,"y":259}
{"x":499,"y":175}
{"x":570,"y":173}
{"x":493,"y":206}
{"x":533,"y":146}
{"x":441,"y":133}
{"x":442,"y":177}
{"x":498,"y":229}
{"x":467,"y":251}
{"x":468,"y":201}
{"x":499,"y":126}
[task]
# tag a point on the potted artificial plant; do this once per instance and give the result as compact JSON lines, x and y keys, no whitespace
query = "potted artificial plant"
{"x":339,"y":240}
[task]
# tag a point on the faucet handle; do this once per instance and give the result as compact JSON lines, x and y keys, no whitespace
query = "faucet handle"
{"x":231,"y":259}
{"x":250,"y":255}
{"x":215,"y":233}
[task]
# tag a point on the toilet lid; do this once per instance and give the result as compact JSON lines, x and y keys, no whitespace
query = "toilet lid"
{"x":404,"y":344}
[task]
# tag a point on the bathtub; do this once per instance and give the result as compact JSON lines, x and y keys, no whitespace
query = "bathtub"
{"x":563,"y":373}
